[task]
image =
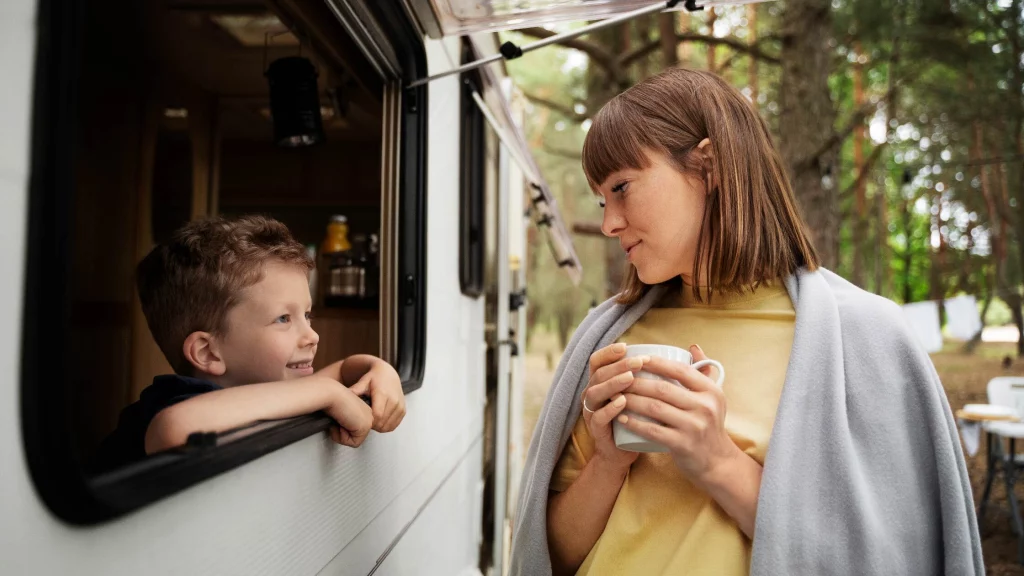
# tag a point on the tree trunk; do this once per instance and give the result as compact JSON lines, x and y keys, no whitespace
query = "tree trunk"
{"x":972,"y":344}
{"x":712,"y":48}
{"x":908,"y":254}
{"x":1018,"y":79}
{"x":643,"y":35}
{"x":882,"y":278}
{"x":752,"y":36}
{"x":860,"y":219}
{"x":667,"y":39}
{"x":1014,"y":301}
{"x":806,"y":120}
{"x":684,"y":50}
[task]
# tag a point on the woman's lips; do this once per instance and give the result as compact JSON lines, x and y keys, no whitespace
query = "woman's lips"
{"x":631,"y":249}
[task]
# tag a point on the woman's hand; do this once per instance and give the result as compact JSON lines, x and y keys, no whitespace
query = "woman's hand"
{"x":692,"y":416}
{"x":610,"y":374}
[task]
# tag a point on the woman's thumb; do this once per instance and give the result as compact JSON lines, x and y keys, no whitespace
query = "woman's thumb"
{"x":698,"y":355}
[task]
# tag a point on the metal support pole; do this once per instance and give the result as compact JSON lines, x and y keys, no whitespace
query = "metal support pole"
{"x":510,"y":51}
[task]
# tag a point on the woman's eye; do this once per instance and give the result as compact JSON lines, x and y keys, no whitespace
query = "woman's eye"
{"x":309,"y":315}
{"x":618,"y":188}
{"x":283,"y":319}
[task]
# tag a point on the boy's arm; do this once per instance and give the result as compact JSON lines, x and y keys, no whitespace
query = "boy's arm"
{"x":355,"y":367}
{"x":230,"y":408}
{"x":365,"y":374}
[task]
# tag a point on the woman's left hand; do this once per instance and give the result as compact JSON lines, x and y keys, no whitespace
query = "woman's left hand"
{"x":692,"y":416}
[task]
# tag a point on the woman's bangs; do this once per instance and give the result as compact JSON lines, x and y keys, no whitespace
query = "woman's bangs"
{"x":614,"y":142}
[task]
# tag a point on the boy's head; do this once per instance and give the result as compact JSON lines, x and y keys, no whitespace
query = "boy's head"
{"x":228,"y":300}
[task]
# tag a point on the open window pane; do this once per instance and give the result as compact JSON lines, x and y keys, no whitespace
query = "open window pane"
{"x":457,"y":17}
{"x":472,"y":182}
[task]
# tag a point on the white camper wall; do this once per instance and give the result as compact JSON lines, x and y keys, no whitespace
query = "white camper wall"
{"x":305,"y":507}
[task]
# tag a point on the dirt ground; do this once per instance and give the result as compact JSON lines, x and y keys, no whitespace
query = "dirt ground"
{"x":964,"y":377}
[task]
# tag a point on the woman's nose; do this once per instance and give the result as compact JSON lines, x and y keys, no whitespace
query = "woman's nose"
{"x":612,"y":223}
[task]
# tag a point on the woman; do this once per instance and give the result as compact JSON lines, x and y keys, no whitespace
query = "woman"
{"x":829,"y":449}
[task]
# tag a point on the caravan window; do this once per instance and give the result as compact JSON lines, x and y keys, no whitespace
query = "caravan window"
{"x":473,"y":181}
{"x":135,"y":133}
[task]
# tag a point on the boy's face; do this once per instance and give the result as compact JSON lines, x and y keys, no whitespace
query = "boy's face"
{"x":267,"y":336}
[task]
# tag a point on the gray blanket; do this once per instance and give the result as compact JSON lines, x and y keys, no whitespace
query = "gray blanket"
{"x":864,"y":473}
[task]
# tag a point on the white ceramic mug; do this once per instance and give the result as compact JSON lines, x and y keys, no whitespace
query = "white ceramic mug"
{"x":625,"y":439}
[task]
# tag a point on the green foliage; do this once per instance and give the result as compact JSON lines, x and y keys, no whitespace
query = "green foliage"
{"x":998,"y":313}
{"x":947,"y":75}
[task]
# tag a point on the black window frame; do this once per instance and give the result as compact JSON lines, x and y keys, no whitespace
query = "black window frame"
{"x":59,"y":478}
{"x":472,"y":182}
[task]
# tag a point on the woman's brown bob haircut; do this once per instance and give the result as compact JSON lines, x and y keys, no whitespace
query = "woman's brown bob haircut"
{"x":751,"y":231}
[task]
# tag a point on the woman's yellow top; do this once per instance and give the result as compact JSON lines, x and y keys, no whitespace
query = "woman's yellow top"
{"x":662,"y":524}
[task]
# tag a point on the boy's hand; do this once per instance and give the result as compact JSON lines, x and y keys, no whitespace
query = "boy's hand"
{"x":387,"y":400}
{"x":353,"y":416}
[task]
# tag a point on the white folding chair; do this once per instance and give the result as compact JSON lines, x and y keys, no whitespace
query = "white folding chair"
{"x":1005,"y":391}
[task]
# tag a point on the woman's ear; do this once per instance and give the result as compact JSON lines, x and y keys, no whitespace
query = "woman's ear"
{"x":707,"y":157}
{"x":202,"y":352}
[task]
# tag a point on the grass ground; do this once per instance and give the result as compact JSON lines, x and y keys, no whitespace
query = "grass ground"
{"x":964,"y":377}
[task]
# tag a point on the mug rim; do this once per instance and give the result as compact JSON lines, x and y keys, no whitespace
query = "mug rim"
{"x":666,"y":347}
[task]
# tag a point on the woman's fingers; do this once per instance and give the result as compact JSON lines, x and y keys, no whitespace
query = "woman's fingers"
{"x":682,"y":373}
{"x":597,"y":395}
{"x":605,"y":373}
{"x":668,"y":414}
{"x":698,"y":355}
{"x":663,"y":391}
{"x":605,"y":415}
{"x":606,"y":355}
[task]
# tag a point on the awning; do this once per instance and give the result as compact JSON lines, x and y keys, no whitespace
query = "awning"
{"x":458,"y":17}
{"x":544,"y":207}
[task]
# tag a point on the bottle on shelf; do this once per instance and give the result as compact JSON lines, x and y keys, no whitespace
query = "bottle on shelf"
{"x":334,"y":250}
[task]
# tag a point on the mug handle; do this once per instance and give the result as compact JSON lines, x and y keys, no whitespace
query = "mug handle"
{"x":716,"y":364}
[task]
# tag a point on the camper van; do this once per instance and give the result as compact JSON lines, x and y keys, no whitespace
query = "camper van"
{"x":123,"y":120}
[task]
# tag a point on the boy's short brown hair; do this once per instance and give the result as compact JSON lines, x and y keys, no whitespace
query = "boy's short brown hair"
{"x":190,"y":282}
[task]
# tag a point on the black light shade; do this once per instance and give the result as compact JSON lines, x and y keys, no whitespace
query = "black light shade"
{"x":294,"y":102}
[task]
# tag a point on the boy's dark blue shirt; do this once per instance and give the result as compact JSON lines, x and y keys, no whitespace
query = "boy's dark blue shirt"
{"x":127,"y":443}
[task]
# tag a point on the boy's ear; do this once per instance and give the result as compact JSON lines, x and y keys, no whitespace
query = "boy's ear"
{"x":200,"y":350}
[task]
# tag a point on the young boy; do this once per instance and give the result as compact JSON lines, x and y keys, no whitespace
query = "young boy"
{"x":228,"y":303}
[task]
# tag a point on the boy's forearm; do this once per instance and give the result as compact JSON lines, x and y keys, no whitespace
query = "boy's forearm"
{"x":355,"y":367}
{"x":223,"y":410}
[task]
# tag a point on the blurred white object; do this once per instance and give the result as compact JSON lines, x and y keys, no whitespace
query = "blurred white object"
{"x":923,"y":318}
{"x":962,"y":318}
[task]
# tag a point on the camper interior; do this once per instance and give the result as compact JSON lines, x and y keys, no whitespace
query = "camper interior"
{"x":174,"y":124}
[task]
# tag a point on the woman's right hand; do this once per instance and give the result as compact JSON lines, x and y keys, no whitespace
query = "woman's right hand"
{"x":610,"y":374}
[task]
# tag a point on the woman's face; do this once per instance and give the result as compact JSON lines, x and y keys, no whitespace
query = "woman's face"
{"x":655,"y":213}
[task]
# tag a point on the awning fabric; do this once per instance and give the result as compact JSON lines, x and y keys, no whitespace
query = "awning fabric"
{"x":545,"y":208}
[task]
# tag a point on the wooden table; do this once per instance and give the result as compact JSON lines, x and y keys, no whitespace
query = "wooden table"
{"x":975,"y":417}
